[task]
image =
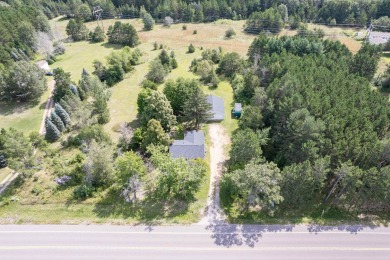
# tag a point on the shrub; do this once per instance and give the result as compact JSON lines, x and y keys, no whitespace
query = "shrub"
{"x":230,"y":33}
{"x":155,"y":46}
{"x":82,"y":192}
{"x":195,"y":32}
{"x":191,"y":48}
{"x":149,"y":84}
{"x":97,"y":35}
{"x":157,"y":71}
{"x":184,"y":27}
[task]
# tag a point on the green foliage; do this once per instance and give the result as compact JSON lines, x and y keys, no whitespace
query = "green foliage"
{"x":196,"y":109}
{"x":230,"y":33}
{"x":24,"y":82}
{"x":365,"y":62}
{"x":98,"y":35}
{"x":89,"y":134}
{"x":98,"y":165}
{"x":191,"y":48}
{"x":142,"y":99}
{"x":176,"y":178}
{"x":154,"y":135}
{"x":52,"y":132}
{"x":148,"y":22}
{"x":77,"y":30}
{"x":18,"y":150}
{"x":128,"y":165}
{"x":82,"y":192}
{"x":157,"y":107}
{"x":269,"y":20}
{"x":256,"y":186}
{"x":246,"y":147}
{"x":63,"y":83}
{"x":157,"y":71}
{"x":230,"y":64}
{"x":56,"y":120}
{"x":184,"y":27}
{"x":252,"y":118}
{"x":123,"y":33}
{"x":178,"y":92}
{"x":303,"y":183}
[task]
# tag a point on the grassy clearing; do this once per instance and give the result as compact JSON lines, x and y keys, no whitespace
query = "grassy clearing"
{"x":4,"y":173}
{"x":26,"y":117}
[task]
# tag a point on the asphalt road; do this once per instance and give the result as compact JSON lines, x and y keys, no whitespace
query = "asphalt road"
{"x":193,"y":242}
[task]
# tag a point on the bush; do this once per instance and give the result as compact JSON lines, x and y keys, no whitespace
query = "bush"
{"x":82,"y":192}
{"x":230,"y":33}
{"x":195,"y":32}
{"x":191,"y":48}
{"x":184,"y":27}
{"x":97,"y":35}
{"x":155,"y":46}
{"x":149,"y":84}
{"x":89,"y":133}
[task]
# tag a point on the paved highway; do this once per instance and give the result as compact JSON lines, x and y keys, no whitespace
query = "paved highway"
{"x":193,"y":242}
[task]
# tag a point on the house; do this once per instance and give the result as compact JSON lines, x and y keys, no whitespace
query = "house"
{"x":377,"y":38}
{"x":191,"y":147}
{"x":43,"y":65}
{"x":237,"y":110}
{"x":217,"y":108}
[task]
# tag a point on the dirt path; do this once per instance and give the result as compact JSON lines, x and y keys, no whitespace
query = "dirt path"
{"x":7,"y":181}
{"x":219,"y":139}
{"x":48,"y":108}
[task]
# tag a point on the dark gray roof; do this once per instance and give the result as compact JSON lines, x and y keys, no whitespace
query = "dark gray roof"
{"x":191,"y":147}
{"x":217,"y":108}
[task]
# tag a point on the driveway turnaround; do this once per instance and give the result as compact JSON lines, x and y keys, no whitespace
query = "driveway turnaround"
{"x":197,"y":241}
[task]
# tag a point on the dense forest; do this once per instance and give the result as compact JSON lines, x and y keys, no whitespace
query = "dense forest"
{"x":342,"y":11}
{"x":312,"y":132}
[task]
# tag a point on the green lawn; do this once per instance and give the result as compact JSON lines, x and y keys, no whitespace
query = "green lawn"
{"x":23,"y":117}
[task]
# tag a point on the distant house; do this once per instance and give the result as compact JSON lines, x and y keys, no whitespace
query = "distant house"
{"x":237,"y":110}
{"x":191,"y":147}
{"x":217,"y":108}
{"x":43,"y":65}
{"x":377,"y":38}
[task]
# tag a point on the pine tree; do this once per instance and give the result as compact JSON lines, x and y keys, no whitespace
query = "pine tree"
{"x":196,"y":108}
{"x":57,"y":122}
{"x":62,"y":114}
{"x":52,"y":133}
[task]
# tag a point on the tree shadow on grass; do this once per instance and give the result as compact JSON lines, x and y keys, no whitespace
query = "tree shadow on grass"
{"x":9,"y":108}
{"x":111,"y":46}
{"x":148,"y":210}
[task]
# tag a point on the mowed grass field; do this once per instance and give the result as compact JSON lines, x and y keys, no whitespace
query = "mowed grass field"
{"x":25,"y":117}
{"x":122,"y":104}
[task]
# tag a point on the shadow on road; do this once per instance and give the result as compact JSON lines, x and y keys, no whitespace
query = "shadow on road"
{"x":228,"y":235}
{"x":353,"y":229}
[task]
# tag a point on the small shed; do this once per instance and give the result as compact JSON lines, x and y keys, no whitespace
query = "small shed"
{"x":237,"y":110}
{"x":43,"y":65}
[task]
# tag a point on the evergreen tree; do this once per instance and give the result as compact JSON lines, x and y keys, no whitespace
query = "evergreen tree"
{"x":148,"y":22}
{"x":98,"y":35}
{"x":60,"y":111}
{"x":56,"y":120}
{"x":196,"y":109}
{"x":52,"y":133}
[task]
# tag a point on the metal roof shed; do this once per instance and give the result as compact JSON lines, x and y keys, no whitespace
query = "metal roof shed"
{"x":217,"y":108}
